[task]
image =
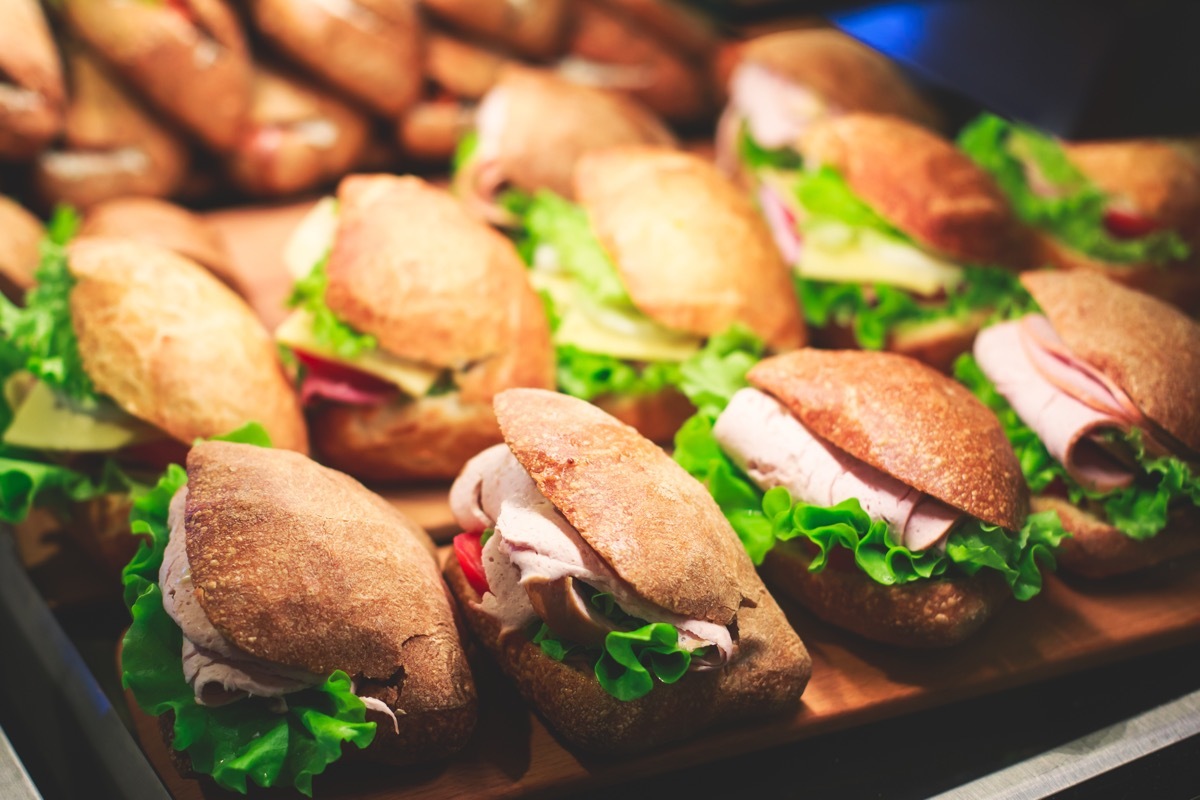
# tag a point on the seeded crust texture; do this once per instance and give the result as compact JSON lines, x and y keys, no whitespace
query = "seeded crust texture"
{"x":904,"y":419}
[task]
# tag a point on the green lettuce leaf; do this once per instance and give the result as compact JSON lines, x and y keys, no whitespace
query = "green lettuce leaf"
{"x":467,"y":146}
{"x":761,"y":519}
{"x":756,"y":158}
{"x":631,"y":658}
{"x":1075,"y":214}
{"x":591,"y":375}
{"x":308,"y":294}
{"x":40,"y":337}
{"x":826,"y":197}
{"x":1139,"y":511}
{"x":991,"y":290}
{"x":26,"y":480}
{"x":243,"y":741}
{"x":712,"y":376}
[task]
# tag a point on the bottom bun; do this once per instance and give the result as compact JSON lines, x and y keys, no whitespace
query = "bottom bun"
{"x":928,"y":613}
{"x":938,"y":343}
{"x":769,"y":675}
{"x":100,"y":527}
{"x":1098,"y":550}
{"x":656,"y":416}
{"x":430,"y":438}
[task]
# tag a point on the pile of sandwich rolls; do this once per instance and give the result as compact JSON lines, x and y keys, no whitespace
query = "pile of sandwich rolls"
{"x":207,"y":100}
{"x":890,"y":376}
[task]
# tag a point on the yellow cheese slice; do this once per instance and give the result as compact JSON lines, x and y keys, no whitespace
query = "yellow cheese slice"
{"x":595,"y":328}
{"x":43,"y":420}
{"x":311,"y":239}
{"x":414,"y":379}
{"x":839,"y":253}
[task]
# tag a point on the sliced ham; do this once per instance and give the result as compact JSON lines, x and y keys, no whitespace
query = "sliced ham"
{"x":781,"y":220}
{"x":329,"y":380}
{"x":482,"y":178}
{"x":534,"y":544}
{"x":775,"y":449}
{"x":776,"y":110}
{"x":1060,"y":399}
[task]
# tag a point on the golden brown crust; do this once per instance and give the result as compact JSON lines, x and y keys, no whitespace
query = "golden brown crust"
{"x":689,"y":246}
{"x":174,"y":347}
{"x":463,"y":69}
{"x":20,"y":235}
{"x":550,"y":123}
{"x":166,"y":225}
{"x":1150,"y":349}
{"x":263,"y":523}
{"x":112,"y":146}
{"x":655,"y":525}
{"x":534,"y":28}
{"x":425,"y":439}
{"x":376,"y":57}
{"x":845,"y":73}
{"x":1098,"y":550}
{"x":1158,"y":178}
{"x":928,"y":613}
{"x":194,"y":66}
{"x":905,"y":419}
{"x":391,"y":274}
{"x":431,"y":129}
{"x":297,"y":136}
{"x":938,"y":343}
{"x":769,"y":675}
{"x":656,"y":416}
{"x":28,"y":60}
{"x":923,"y":185}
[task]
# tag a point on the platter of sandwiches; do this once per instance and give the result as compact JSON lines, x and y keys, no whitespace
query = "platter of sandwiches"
{"x":608,"y":452}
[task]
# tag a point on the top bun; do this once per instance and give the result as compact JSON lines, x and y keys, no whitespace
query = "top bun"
{"x":907,"y":420}
{"x":690,"y":248}
{"x":1149,"y":348}
{"x":175,"y":347}
{"x":923,"y":185}
{"x":655,"y":525}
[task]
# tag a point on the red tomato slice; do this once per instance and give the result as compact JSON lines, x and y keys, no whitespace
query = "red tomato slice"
{"x":340,"y":383}
{"x":1127,"y":224}
{"x":469,"y":549}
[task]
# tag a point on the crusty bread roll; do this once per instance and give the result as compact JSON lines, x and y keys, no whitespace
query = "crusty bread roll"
{"x":31,"y":117}
{"x":432,"y":128}
{"x":534,"y":28}
{"x":412,"y":268}
{"x":20,"y":237}
{"x":689,"y":247}
{"x":370,"y":599}
{"x":190,"y":61}
{"x":370,"y":49}
{"x":662,"y":533}
{"x":923,"y":185}
{"x":174,"y":347}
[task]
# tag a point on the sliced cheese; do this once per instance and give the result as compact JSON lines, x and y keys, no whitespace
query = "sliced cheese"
{"x":596,"y":328}
{"x":413,"y":378}
{"x":44,"y":420}
{"x":311,"y":239}
{"x":839,"y":253}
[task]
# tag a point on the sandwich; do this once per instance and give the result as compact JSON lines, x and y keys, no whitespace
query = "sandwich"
{"x":369,"y":50}
{"x":188,"y":58}
{"x":531,"y":130}
{"x":269,"y":635}
{"x":1098,"y":390}
{"x":112,"y":146}
{"x":876,"y":492}
{"x":606,"y":584}
{"x":32,"y":98}
{"x":409,"y":315}
{"x":899,"y":242}
{"x":124,"y":354}
{"x":166,"y":225}
{"x":1129,"y":209}
{"x":784,"y":82}
{"x":535,"y":28}
{"x":297,"y":137}
{"x":660,"y":282}
{"x":20,"y":235}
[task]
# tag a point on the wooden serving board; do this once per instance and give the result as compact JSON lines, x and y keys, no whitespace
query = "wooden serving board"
{"x":1071,"y":626}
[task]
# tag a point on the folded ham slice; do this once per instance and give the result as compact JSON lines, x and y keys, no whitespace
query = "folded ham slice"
{"x":1065,"y":402}
{"x":533,"y":544}
{"x":776,"y":110}
{"x":781,"y":220}
{"x":480,"y":180}
{"x":775,"y":449}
